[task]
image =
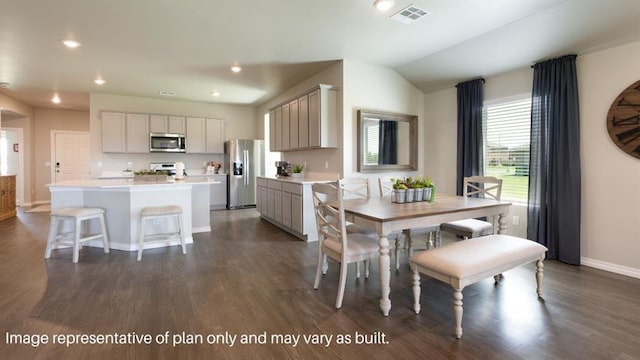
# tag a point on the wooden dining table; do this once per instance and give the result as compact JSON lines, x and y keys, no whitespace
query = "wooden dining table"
{"x":385,"y":217}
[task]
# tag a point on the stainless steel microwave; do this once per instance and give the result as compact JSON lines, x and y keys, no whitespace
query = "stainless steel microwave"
{"x":167,"y":142}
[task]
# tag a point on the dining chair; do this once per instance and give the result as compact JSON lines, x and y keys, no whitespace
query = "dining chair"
{"x":476,"y":186}
{"x":333,"y":240}
{"x":385,"y":185}
{"x":357,"y":188}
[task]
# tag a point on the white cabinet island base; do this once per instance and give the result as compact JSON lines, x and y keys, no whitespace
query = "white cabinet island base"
{"x":124,"y":199}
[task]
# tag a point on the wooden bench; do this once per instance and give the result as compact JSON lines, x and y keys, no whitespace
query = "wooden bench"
{"x":466,"y":262}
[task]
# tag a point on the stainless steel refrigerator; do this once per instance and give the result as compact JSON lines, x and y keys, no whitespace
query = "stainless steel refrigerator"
{"x":244,"y":159}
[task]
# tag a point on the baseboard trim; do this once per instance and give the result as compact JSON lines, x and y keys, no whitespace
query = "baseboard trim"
{"x":614,"y":268}
{"x":134,"y":247}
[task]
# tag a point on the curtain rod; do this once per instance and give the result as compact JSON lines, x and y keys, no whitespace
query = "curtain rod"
{"x":468,"y":81}
{"x":555,"y":59}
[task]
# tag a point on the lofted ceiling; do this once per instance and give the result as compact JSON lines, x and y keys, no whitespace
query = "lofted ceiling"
{"x":186,"y":47}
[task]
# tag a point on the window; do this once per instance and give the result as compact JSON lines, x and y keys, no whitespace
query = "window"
{"x":506,"y":130}
{"x":371,"y":135}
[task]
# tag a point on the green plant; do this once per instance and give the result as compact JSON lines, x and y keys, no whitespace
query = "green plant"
{"x":409,"y":182}
{"x":297,"y":169}
{"x":427,"y":182}
{"x":398,"y":184}
{"x":418,"y":183}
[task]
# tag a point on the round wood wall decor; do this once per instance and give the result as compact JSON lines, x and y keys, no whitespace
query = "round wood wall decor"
{"x":623,"y":120}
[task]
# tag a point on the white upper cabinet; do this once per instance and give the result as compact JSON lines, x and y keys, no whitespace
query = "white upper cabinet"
{"x":123,"y":132}
{"x":303,"y":122}
{"x":272,"y":130}
{"x":286,"y":135}
{"x":308,"y":121}
{"x":137,"y":133}
{"x":322,"y":118}
{"x":277,"y":145}
{"x":129,"y":132}
{"x":177,"y":125}
{"x":205,"y":136}
{"x":195,"y":142}
{"x":113,"y":131}
{"x":166,"y":124}
{"x":214,"y":138}
{"x":158,"y":124}
{"x":293,"y":125}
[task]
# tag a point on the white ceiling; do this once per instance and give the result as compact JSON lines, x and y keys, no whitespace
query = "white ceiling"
{"x":187,"y":46}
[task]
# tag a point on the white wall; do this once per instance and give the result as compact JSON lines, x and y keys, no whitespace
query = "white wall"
{"x":610,"y":230}
{"x":374,"y":87}
{"x":240,"y":122}
{"x":440,"y":109}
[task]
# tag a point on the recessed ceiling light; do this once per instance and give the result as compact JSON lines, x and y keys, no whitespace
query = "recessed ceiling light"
{"x":55,"y":99}
{"x":215,"y":93}
{"x":99,"y":81}
{"x":236,"y":68}
{"x":383,"y":5}
{"x":4,"y":85}
{"x":166,"y":93}
{"x":71,"y":44}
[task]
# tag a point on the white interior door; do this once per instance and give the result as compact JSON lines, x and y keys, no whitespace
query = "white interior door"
{"x":71,"y":156}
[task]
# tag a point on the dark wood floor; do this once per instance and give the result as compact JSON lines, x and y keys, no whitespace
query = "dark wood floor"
{"x":247,"y":277}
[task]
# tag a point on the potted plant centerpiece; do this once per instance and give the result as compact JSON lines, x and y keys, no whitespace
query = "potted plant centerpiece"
{"x":151,"y":175}
{"x":399,"y":191}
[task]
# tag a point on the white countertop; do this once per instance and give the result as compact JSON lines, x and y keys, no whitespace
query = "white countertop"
{"x":119,"y":183}
{"x":306,"y":178}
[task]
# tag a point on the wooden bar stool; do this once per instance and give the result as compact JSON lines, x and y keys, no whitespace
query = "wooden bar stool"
{"x":161,"y":212}
{"x":77,"y":215}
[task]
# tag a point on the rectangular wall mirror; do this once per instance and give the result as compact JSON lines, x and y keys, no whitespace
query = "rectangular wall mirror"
{"x":387,"y":141}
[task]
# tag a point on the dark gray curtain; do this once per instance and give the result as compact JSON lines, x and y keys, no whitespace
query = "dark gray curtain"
{"x":388,"y":142}
{"x":554,"y":178}
{"x":470,"y":102}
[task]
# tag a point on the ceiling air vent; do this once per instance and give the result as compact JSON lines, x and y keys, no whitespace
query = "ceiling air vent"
{"x":409,"y":14}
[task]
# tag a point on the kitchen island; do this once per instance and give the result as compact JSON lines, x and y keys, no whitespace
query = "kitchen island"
{"x":123,"y":199}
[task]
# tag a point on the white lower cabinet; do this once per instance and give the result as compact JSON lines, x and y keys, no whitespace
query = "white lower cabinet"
{"x":218,"y":198}
{"x":288,"y":205}
{"x":262,"y":193}
{"x":296,"y":213}
{"x":286,"y":209}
